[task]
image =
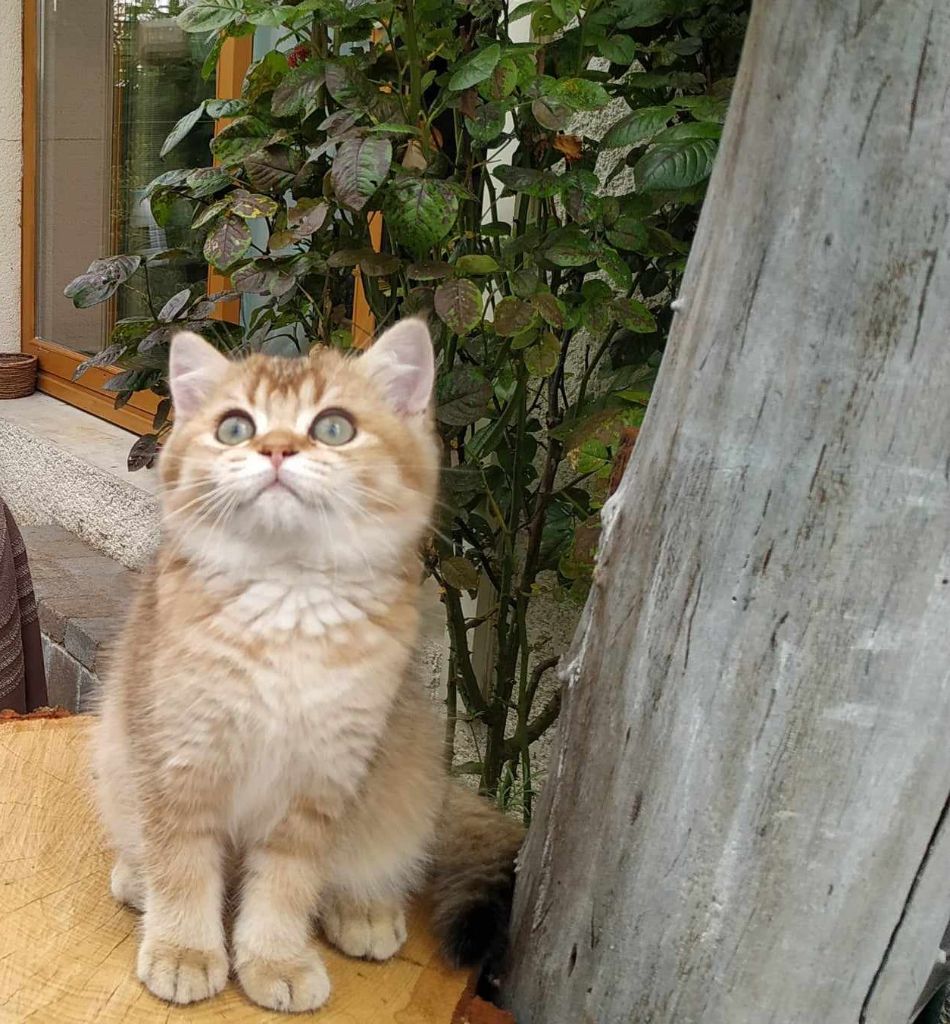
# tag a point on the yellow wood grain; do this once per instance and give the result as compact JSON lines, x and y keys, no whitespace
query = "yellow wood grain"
{"x":67,"y":951}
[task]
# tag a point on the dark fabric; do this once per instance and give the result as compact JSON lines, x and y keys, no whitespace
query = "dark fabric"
{"x":22,"y":677}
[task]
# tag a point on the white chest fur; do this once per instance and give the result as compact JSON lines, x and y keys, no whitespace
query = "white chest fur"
{"x":302,"y":728}
{"x":298,"y":712}
{"x":311,"y":608}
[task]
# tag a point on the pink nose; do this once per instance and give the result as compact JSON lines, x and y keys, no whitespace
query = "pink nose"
{"x":277,"y":455}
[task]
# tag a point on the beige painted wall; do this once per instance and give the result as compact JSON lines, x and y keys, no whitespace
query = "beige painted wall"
{"x":11,"y":163}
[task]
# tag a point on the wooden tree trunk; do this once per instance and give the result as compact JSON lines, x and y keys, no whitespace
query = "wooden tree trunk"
{"x":746,"y":818}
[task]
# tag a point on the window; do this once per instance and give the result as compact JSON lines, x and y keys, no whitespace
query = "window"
{"x":104,"y":82}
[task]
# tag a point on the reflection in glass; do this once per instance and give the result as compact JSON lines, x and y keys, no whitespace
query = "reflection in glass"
{"x":114,"y":77}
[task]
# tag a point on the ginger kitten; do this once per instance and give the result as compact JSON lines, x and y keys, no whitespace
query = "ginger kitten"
{"x":262,"y":710}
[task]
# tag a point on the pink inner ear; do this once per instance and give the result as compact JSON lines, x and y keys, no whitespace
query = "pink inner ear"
{"x":194,"y":370}
{"x":402,"y":361}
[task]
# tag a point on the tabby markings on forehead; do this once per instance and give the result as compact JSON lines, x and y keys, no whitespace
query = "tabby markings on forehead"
{"x":312,"y":608}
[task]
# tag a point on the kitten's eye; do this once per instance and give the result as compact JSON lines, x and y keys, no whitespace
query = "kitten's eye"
{"x":235,"y":428}
{"x":333,"y":427}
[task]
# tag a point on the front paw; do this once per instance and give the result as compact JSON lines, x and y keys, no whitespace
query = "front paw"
{"x":292,"y":986}
{"x":181,"y":975}
{"x":376,"y":932}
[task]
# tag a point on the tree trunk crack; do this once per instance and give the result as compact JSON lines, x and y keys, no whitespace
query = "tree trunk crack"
{"x":689,"y":622}
{"x":920,"y":75}
{"x":931,"y":255}
{"x":941,"y":820}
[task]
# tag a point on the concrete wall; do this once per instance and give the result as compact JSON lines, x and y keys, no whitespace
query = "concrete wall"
{"x":11,"y":163}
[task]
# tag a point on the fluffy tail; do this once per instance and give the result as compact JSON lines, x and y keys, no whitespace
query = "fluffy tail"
{"x":473,"y":878}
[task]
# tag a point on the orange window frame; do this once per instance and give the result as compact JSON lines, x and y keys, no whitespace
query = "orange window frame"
{"x":57,"y":363}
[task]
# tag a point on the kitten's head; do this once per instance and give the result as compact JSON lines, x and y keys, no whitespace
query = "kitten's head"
{"x":329,"y":461}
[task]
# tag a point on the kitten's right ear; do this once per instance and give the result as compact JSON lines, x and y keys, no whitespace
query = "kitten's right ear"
{"x":194,"y":369}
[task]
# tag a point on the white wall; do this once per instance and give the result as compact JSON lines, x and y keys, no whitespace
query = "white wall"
{"x":11,"y":163}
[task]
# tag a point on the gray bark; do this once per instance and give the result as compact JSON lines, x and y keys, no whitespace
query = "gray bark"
{"x":746,"y":816}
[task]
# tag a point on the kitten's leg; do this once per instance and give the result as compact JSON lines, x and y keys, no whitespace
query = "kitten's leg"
{"x":118,"y":807}
{"x":277,"y":962}
{"x":127,"y":885}
{"x":182,"y":957}
{"x":374,"y":930}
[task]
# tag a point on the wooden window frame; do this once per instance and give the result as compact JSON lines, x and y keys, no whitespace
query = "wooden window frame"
{"x":57,"y":363}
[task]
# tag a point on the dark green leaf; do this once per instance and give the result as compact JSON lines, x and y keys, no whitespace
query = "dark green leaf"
{"x":298,"y":89}
{"x":567,"y":247}
{"x":512,"y":316}
{"x":565,"y":10}
{"x":181,"y":129}
{"x":642,"y":124}
{"x":675,"y":165}
{"x":208,"y":213}
{"x":461,"y":397}
{"x":273,"y":168}
{"x":249,"y":205}
{"x":210,"y":15}
{"x":379,"y":264}
{"x":458,"y":305}
{"x":487,"y":123}
{"x":690,"y":130}
{"x":227,"y":242}
{"x":348,"y":257}
{"x":475,"y":68}
{"x":704,"y":108}
{"x":163,"y":204}
{"x":170,"y":179}
{"x":541,"y":184}
{"x":349,"y":86}
{"x":359,"y":168}
{"x":462,"y":482}
{"x":618,"y":49}
{"x":476,"y":265}
{"x":502,"y":81}
{"x":225,"y":108}
{"x":242,"y":137}
{"x":549,"y":308}
{"x":420,"y":212}
{"x":524,"y":282}
{"x":551,"y":113}
{"x":615,"y":267}
{"x":633,"y":315}
{"x":430,"y":271}
{"x":264,"y":75}
{"x":578,"y":93}
{"x":542,"y":359}
{"x":206,"y":181}
{"x":307,"y":216}
{"x":644,"y":13}
{"x":629,"y":233}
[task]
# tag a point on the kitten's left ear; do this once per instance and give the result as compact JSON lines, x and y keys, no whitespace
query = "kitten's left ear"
{"x":194,"y":369}
{"x":402,"y":362}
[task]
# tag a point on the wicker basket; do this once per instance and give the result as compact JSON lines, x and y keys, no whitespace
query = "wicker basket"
{"x":17,"y":375}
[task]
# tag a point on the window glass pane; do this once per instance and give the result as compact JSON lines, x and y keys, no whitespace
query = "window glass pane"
{"x":114,"y":77}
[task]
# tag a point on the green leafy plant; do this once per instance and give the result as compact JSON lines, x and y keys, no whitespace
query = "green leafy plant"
{"x":546,"y":258}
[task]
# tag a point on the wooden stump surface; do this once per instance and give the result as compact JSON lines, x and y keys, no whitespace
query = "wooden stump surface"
{"x":67,"y":950}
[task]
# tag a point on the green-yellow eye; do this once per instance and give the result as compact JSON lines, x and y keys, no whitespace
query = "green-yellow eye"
{"x":333,"y":427}
{"x":235,"y":428}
